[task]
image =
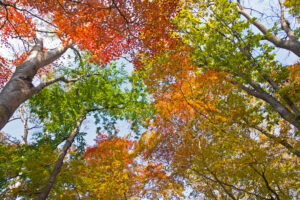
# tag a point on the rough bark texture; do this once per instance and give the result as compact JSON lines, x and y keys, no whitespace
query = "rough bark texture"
{"x":19,"y":88}
{"x":58,"y":164}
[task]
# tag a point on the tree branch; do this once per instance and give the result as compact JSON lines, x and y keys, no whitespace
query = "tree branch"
{"x":284,"y":23}
{"x":262,"y":174}
{"x":63,"y":79}
{"x":278,"y":140}
{"x":277,"y":106}
{"x":24,"y":10}
{"x":291,"y":45}
{"x":24,"y":120}
{"x":58,"y":164}
{"x":285,"y":97}
{"x":52,"y":55}
{"x":226,"y":184}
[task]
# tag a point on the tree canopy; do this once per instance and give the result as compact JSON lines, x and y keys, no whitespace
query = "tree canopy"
{"x":213,"y":101}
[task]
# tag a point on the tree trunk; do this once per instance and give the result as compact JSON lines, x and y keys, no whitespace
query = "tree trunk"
{"x":58,"y":164}
{"x":20,"y":88}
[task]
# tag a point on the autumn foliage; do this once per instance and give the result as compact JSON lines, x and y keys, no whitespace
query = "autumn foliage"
{"x":215,"y":112}
{"x":203,"y":131}
{"x":107,"y":29}
{"x":112,"y":170}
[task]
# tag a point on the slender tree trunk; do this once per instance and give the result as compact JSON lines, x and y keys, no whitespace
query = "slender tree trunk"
{"x":20,"y":88}
{"x":58,"y":164}
{"x":24,"y":120}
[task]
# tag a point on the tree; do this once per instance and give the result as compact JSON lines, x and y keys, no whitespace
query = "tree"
{"x":222,"y":164}
{"x":228,"y":32}
{"x":197,"y":136}
{"x":221,"y":97}
{"x":107,"y":29}
{"x":111,"y":170}
{"x":227,"y":117}
{"x":217,"y":36}
{"x":106,"y":94}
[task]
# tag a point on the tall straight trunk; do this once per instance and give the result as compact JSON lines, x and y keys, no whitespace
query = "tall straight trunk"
{"x":20,"y":88}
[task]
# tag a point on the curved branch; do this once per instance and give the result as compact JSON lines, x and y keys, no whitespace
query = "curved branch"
{"x":262,"y":174}
{"x":24,"y":10}
{"x":285,"y":97}
{"x":225,"y":184}
{"x":284,"y":112}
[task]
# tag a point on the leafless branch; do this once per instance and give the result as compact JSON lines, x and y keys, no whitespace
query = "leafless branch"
{"x":291,"y":45}
{"x":123,"y":16}
{"x":24,"y":120}
{"x":13,"y":119}
{"x":77,"y":53}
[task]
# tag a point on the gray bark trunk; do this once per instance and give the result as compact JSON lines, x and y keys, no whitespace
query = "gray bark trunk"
{"x":19,"y":88}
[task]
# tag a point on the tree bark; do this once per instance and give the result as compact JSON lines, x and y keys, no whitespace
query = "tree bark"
{"x":58,"y":164}
{"x":20,"y":88}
